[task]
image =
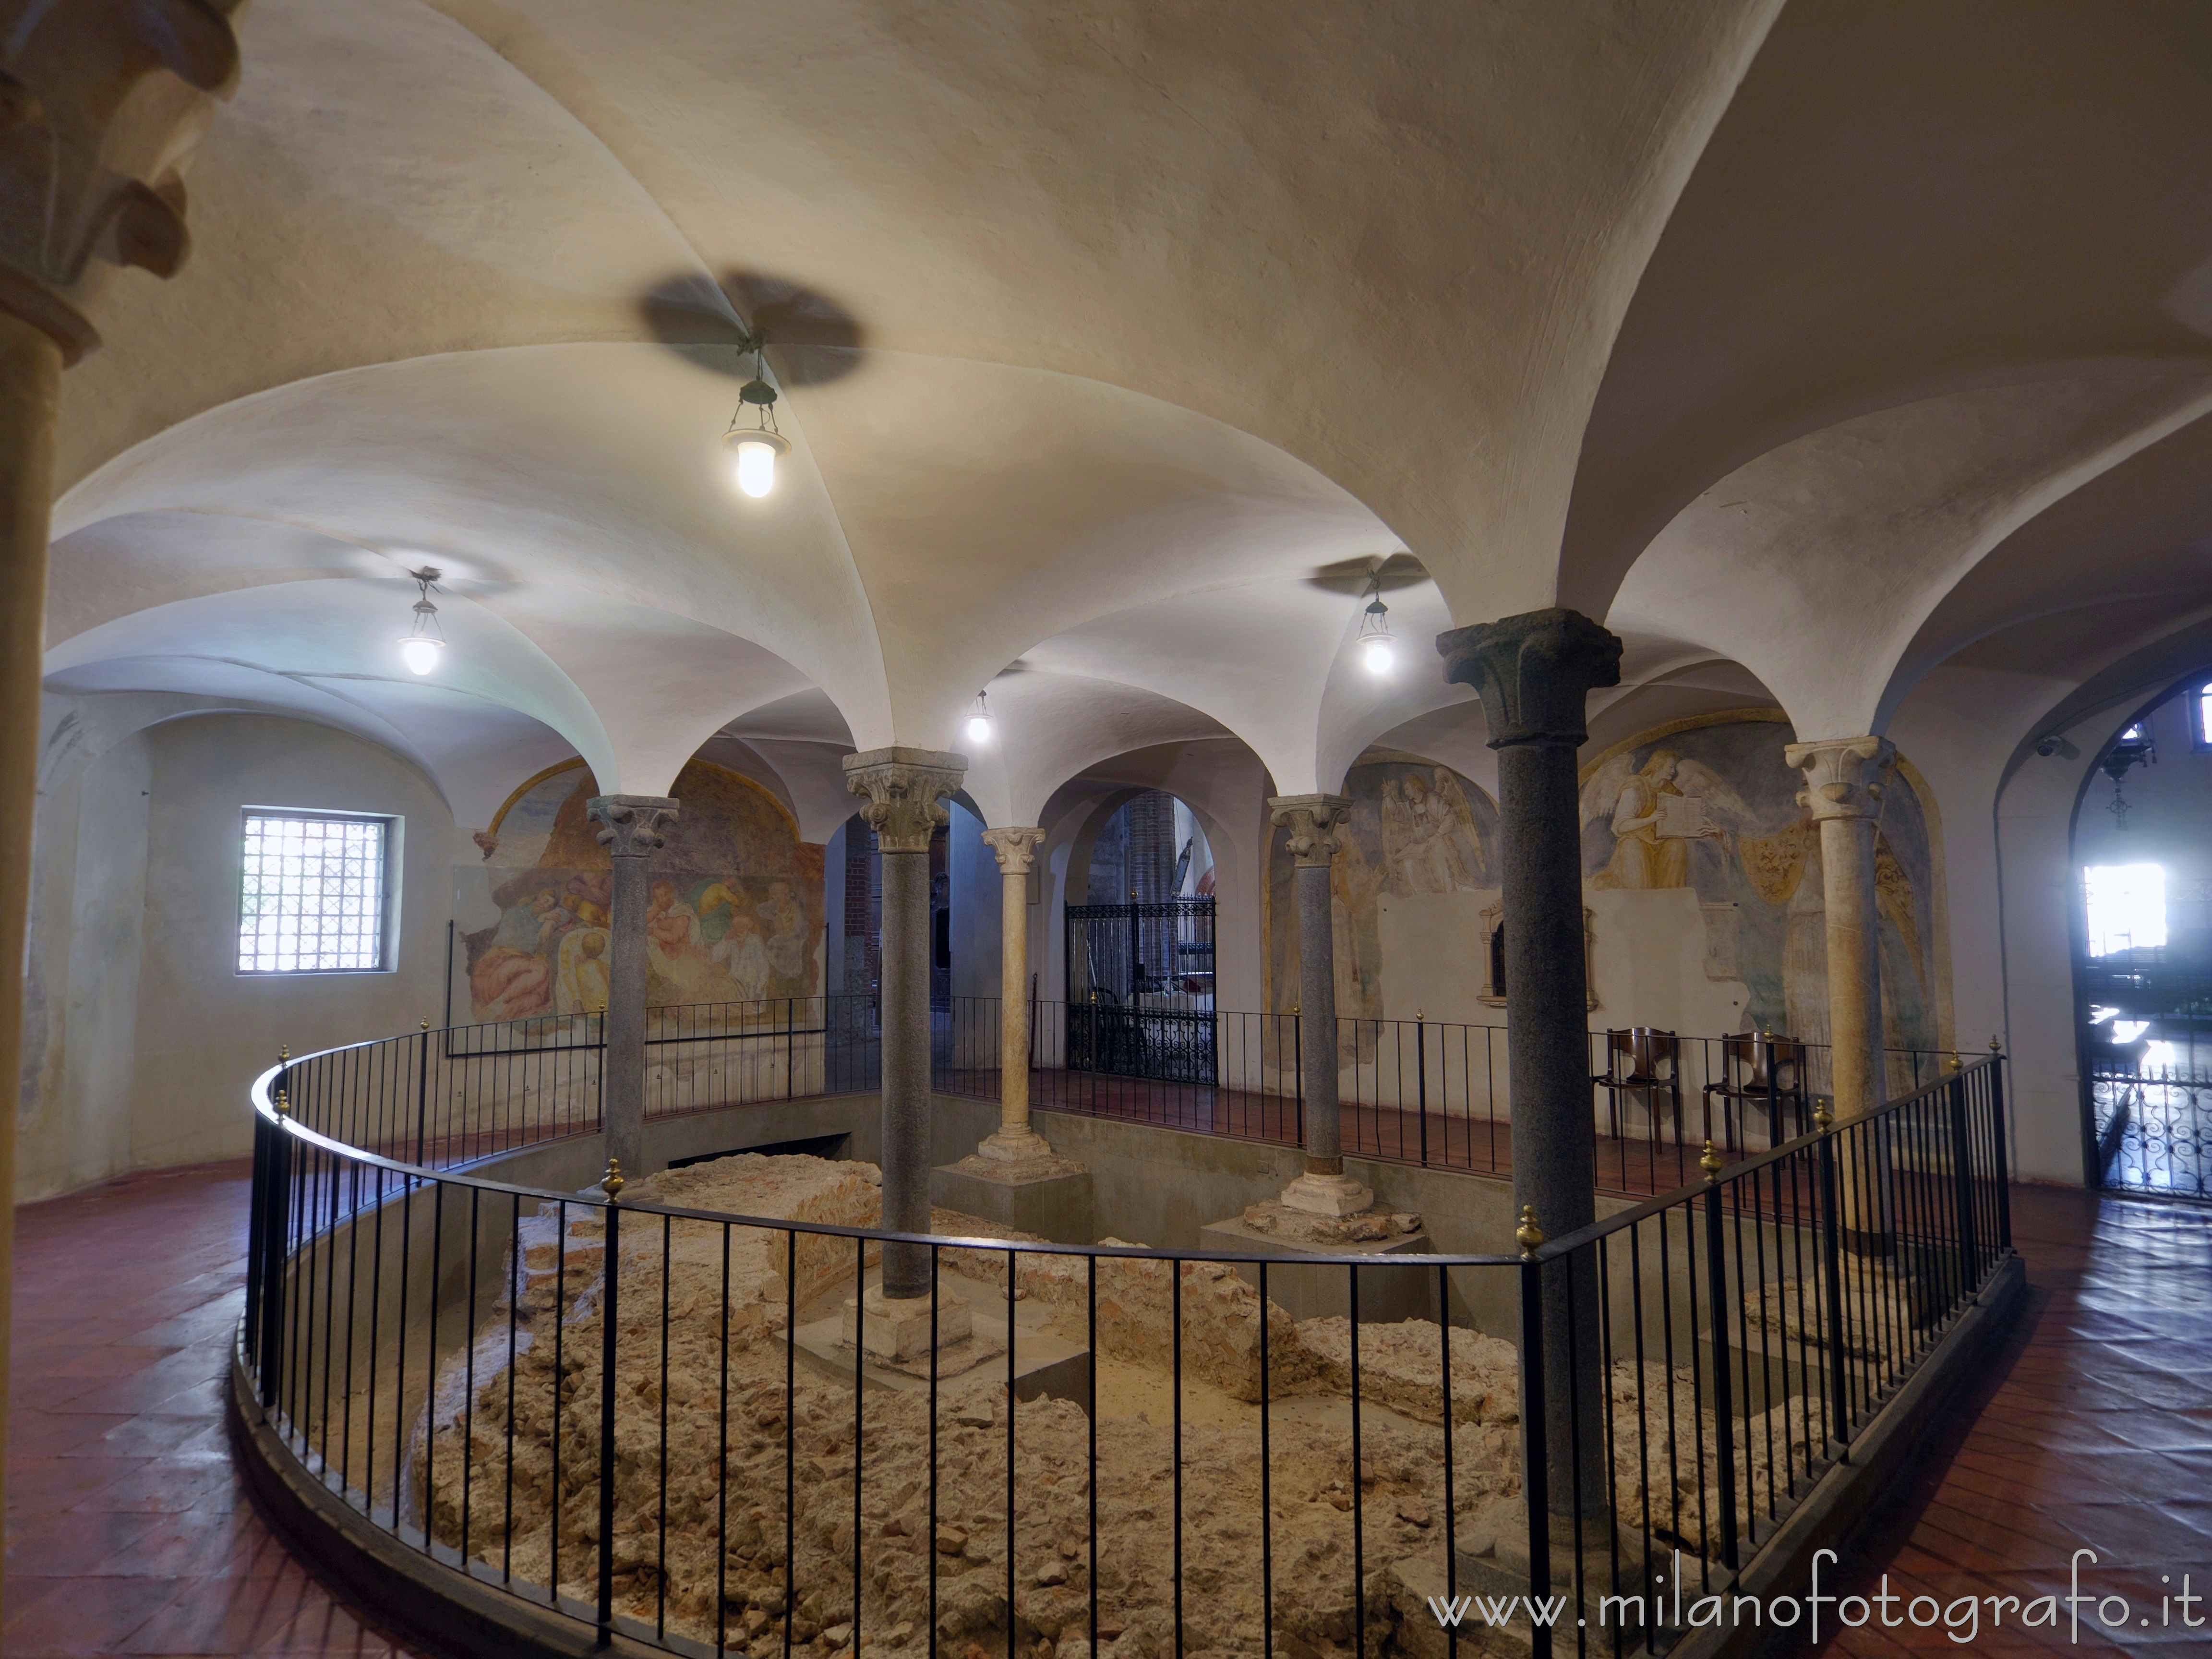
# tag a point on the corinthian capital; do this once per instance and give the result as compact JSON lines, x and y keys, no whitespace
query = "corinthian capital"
{"x":1016,"y":845}
{"x":1844,"y":776}
{"x":101,"y":101}
{"x":1312,"y":821}
{"x":902,"y":787}
{"x":630,"y":825}
{"x":1535,"y":673}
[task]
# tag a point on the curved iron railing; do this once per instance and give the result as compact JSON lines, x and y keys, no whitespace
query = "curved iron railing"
{"x":461,"y":1360}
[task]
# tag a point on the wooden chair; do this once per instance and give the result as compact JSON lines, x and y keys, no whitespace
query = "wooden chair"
{"x":1759,"y":1069}
{"x":1641,"y":1060}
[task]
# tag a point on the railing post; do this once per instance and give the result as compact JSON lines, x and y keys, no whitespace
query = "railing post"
{"x":789,"y":1021}
{"x":2003,"y":1173}
{"x":1535,"y":1489}
{"x":422,"y":1090}
{"x":1723,"y":1404}
{"x":610,"y":1326}
{"x":1421,"y":1072}
{"x":274,"y":1228}
{"x":1298,"y":1068}
{"x":1962,"y":1184}
{"x":1831,"y":1270}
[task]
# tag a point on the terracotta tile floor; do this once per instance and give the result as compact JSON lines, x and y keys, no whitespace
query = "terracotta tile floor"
{"x":2093,"y":1429}
{"x":131,"y":1535}
{"x":127,"y":1531}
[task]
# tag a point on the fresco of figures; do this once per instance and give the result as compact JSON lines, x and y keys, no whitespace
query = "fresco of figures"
{"x":1703,"y":824}
{"x":733,"y":915}
{"x":1416,"y":857}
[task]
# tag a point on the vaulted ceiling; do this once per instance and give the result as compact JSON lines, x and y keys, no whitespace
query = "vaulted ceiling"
{"x":1840,"y":353}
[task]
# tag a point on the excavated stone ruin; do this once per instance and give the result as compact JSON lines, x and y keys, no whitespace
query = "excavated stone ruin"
{"x":698,"y":1555}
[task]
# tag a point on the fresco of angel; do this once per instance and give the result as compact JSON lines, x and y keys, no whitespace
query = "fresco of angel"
{"x":1656,"y":812}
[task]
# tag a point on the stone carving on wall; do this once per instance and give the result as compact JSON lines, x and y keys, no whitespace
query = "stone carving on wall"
{"x":734,"y":915}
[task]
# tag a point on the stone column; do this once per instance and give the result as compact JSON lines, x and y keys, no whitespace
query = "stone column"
{"x":1014,"y":1142}
{"x":629,"y":829}
{"x":1324,"y":1189}
{"x":903,"y":789}
{"x":1535,"y":672}
{"x":1844,"y":779}
{"x":103,"y":105}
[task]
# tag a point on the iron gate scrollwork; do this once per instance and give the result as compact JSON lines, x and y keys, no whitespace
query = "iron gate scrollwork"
{"x":1140,"y":990}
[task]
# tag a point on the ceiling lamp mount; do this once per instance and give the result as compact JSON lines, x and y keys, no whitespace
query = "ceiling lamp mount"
{"x":422,"y":646}
{"x":1378,"y":647}
{"x":978,"y":719}
{"x":758,"y":445}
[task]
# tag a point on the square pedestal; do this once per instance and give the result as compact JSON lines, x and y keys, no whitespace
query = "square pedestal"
{"x":1044,"y":1365}
{"x":1388,"y":1294}
{"x":1051,"y":1200}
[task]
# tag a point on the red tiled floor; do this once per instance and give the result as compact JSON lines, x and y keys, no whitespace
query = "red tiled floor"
{"x":2093,"y":1429}
{"x":128,"y":1530}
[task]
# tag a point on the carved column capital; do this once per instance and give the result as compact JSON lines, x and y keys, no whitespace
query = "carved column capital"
{"x":101,"y":101}
{"x":1017,"y":847}
{"x":903,"y":788}
{"x":1312,"y":821}
{"x":1535,"y":673}
{"x":1844,"y":777}
{"x":630,"y":825}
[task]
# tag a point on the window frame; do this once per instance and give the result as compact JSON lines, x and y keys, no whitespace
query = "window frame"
{"x":2200,"y":712}
{"x":388,"y":911}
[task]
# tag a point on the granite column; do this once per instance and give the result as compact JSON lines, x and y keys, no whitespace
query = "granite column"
{"x":904,"y":790}
{"x":1323,"y":1188}
{"x":1534,"y":672}
{"x":629,"y":829}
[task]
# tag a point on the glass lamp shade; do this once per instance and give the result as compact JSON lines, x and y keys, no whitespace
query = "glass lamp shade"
{"x":421,"y":653}
{"x":757,"y":449}
{"x":1377,"y":656}
{"x":978,"y":728}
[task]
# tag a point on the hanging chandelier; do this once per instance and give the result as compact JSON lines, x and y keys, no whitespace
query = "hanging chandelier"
{"x":1378,"y":647}
{"x":2133,"y":748}
{"x":422,"y":646}
{"x":978,"y":719}
{"x":756,"y":447}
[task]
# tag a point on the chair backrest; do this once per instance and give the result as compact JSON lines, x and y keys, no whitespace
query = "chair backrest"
{"x":1650,"y":1054}
{"x":1760,"y":1060}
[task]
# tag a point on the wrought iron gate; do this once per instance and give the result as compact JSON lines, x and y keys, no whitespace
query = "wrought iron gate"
{"x":1140,"y":990}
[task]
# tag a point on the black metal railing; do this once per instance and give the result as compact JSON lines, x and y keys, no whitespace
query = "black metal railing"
{"x":1417,"y":1092}
{"x":1431,"y":1092}
{"x":1284,"y":1451}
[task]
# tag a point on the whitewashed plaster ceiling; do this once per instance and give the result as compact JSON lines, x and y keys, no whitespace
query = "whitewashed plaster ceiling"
{"x":1811,"y":346}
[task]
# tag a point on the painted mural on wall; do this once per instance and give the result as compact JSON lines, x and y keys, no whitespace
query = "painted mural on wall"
{"x":1417,"y":853}
{"x":735,"y":913}
{"x":1710,"y":810}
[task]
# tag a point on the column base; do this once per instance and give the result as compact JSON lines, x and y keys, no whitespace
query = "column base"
{"x":1014,"y":1146}
{"x":1394,"y":1286}
{"x":1329,"y":1195}
{"x":900,"y":1329}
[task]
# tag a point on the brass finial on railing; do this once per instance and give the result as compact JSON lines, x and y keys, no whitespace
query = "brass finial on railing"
{"x":1823,"y":1119}
{"x":1954,"y":1064}
{"x":1996,"y":1047}
{"x":1711,"y":1162}
{"x":426,"y":1025}
{"x":1528,"y":1235}
{"x":284,"y":1054}
{"x":283,"y":1106}
{"x":612,"y":1181}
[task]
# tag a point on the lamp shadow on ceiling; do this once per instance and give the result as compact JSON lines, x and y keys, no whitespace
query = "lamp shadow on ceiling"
{"x":1400,"y":570}
{"x":813,"y":339}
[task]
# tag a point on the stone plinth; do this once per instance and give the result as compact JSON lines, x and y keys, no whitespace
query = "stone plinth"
{"x":1044,"y":1365}
{"x":1388,"y":1294}
{"x":1493,"y":1561}
{"x":1047,"y":1196}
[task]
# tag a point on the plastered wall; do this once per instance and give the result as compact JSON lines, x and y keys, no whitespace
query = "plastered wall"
{"x":145,"y":1035}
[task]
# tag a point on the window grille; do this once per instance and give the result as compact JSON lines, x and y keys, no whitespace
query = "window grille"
{"x":312,"y":899}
